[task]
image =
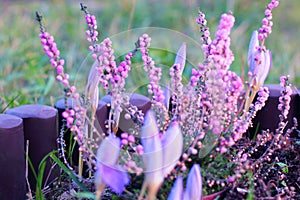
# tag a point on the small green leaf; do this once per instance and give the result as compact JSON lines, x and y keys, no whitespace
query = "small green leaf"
{"x":285,"y":170}
{"x":281,"y":164}
{"x":69,"y":172}
{"x":87,"y":195}
{"x":49,"y":85}
{"x":283,"y":183}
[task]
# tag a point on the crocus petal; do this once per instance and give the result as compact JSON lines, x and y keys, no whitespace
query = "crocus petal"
{"x":263,"y":69}
{"x":92,"y":82}
{"x":152,"y":156}
{"x":172,"y":144}
{"x":113,"y":176}
{"x":109,"y":150}
{"x":116,"y":117}
{"x":194,"y":184}
{"x":252,"y":52}
{"x":176,"y":192}
{"x":108,"y":172}
{"x":167,"y":97}
{"x":181,"y":57}
{"x":92,"y":89}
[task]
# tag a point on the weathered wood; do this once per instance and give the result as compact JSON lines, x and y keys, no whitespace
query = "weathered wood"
{"x":40,"y":129}
{"x":268,"y":117}
{"x":12,"y":161}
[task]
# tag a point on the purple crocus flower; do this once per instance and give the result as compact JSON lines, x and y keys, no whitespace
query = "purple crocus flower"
{"x":259,"y":61}
{"x":92,"y":89}
{"x":176,"y":192}
{"x":108,"y":172}
{"x":263,"y":68}
{"x":193,"y":189}
{"x":181,"y":57}
{"x":253,"y":50}
{"x":160,"y":153}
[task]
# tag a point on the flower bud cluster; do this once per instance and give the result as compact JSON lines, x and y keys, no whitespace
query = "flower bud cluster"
{"x":267,"y":23}
{"x":285,"y":98}
{"x":154,"y":73}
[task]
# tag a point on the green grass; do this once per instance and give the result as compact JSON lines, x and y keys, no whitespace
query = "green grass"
{"x":26,"y":76}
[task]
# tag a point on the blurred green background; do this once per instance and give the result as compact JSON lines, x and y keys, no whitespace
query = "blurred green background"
{"x":26,"y":76}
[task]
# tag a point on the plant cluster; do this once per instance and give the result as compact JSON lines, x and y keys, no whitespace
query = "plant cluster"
{"x":200,"y":124}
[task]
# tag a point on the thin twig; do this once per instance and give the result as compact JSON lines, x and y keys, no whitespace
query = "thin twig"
{"x":29,"y":194}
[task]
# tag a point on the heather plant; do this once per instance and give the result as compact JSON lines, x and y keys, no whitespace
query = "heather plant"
{"x":203,"y":122}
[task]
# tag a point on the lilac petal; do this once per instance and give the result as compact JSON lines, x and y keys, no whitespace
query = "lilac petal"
{"x":167,"y":97}
{"x":181,"y":57}
{"x":93,"y":81}
{"x":109,"y":150}
{"x":149,"y":128}
{"x":113,"y":176}
{"x":252,"y":51}
{"x":116,"y":116}
{"x":194,"y":184}
{"x":152,"y":156}
{"x":176,"y":192}
{"x":264,"y":68}
{"x":172,"y":144}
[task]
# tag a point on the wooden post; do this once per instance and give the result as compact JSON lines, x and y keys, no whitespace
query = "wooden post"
{"x":40,"y":129}
{"x":12,"y":160}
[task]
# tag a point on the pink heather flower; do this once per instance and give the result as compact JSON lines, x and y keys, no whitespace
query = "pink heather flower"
{"x":220,"y":51}
{"x":108,"y":172}
{"x":154,"y":73}
{"x":205,"y":37}
{"x":267,"y":23}
{"x":285,"y":98}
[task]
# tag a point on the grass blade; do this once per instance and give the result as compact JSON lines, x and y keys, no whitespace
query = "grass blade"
{"x":68,"y":172}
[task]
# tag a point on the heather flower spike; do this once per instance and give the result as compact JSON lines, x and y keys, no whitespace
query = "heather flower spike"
{"x":181,"y":57}
{"x":108,"y":172}
{"x":160,"y":154}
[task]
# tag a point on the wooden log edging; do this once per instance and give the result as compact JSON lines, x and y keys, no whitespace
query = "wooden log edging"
{"x":12,"y":161}
{"x":141,"y":102}
{"x":268,"y":117}
{"x":40,"y":129}
{"x":38,"y":124}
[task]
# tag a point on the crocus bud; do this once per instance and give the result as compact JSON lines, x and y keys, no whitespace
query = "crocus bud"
{"x":160,"y":154}
{"x":181,"y":57}
{"x":152,"y":156}
{"x":194,"y":184}
{"x":262,"y":70}
{"x":172,"y":144}
{"x":92,"y":90}
{"x":176,"y":192}
{"x":253,"y":50}
{"x":167,"y":97}
{"x":108,"y":172}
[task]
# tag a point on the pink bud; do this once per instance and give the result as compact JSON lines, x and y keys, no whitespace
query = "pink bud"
{"x":65,"y":114}
{"x":131,"y":139}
